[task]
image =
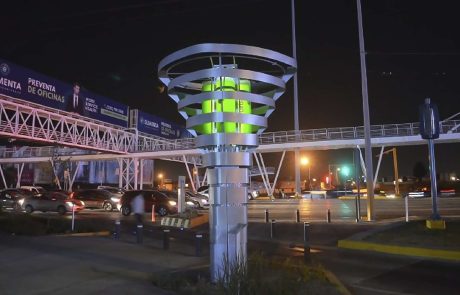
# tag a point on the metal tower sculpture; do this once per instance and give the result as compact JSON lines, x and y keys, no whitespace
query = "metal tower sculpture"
{"x":226,"y":93}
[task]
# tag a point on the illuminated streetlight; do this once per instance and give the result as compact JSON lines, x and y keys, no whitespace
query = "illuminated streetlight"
{"x":305,"y":162}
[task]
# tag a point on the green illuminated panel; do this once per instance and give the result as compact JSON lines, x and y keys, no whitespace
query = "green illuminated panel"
{"x":227,"y":105}
{"x":210,"y":106}
{"x":244,"y":105}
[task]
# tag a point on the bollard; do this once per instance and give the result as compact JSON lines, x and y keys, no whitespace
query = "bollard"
{"x":406,"y":203}
{"x":328,"y":217}
{"x":266,"y":215}
{"x":306,"y":242}
{"x":272,"y":228}
{"x":357,"y":213}
{"x":139,"y":233}
{"x":166,"y":239}
{"x":198,"y":246}
{"x":117,"y":229}
{"x":297,"y":216}
{"x":73,"y":216}
{"x":153,"y":213}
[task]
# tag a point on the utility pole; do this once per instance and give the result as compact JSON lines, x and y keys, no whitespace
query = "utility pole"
{"x":296,"y":103}
{"x":367,"y":125}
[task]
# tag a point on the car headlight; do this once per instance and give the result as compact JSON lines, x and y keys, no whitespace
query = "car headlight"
{"x":204,"y":201}
{"x":190,"y":203}
{"x":114,"y":199}
{"x":172,"y":203}
{"x":21,"y":201}
{"x":83,"y":203}
{"x":69,"y":204}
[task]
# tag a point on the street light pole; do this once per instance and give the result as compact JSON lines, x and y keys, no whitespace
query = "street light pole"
{"x":367,"y":127}
{"x":296,"y":101}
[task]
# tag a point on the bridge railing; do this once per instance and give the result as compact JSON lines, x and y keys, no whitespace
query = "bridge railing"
{"x":344,"y":133}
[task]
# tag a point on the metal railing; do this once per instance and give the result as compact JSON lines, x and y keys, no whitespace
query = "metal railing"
{"x":348,"y":133}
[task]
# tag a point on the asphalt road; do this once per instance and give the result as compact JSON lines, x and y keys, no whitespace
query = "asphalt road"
{"x":316,"y":210}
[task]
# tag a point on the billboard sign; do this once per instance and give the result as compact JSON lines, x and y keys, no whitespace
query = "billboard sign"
{"x":154,"y":125}
{"x":25,"y":84}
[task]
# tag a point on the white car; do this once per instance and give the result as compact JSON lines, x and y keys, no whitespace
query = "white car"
{"x":202,"y":200}
{"x":36,"y":190}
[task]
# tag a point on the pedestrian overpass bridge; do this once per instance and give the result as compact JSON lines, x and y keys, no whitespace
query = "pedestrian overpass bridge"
{"x":86,"y":139}
{"x":91,"y":139}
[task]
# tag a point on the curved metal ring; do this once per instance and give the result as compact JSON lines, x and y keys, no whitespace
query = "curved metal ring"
{"x":226,"y":117}
{"x":200,"y":97}
{"x":232,"y":73}
{"x":206,"y":48}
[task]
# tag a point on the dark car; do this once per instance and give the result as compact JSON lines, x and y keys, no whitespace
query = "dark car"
{"x":163,"y":204}
{"x":189,"y":203}
{"x":97,"y":199}
{"x":13,"y":198}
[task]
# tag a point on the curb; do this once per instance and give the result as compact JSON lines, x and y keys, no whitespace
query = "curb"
{"x":91,"y":234}
{"x":401,"y":250}
{"x":333,"y":279}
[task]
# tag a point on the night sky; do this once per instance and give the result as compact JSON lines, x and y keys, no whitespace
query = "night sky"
{"x":113,"y":49}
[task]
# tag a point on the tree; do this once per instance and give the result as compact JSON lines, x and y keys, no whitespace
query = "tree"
{"x":419,"y":171}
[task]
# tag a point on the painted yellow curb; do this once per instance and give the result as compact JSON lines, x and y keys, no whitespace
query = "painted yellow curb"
{"x":400,"y":250}
{"x":333,"y":279}
{"x":93,"y":234}
{"x":436,"y":224}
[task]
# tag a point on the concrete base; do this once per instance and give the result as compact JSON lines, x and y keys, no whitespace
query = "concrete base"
{"x":436,"y":224}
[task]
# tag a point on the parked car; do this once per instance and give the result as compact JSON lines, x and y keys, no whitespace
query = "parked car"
{"x":52,"y":201}
{"x":58,"y":190}
{"x":163,"y":204}
{"x":13,"y":198}
{"x":202,"y":200}
{"x":113,"y":190}
{"x":189,"y":203}
{"x":36,"y":190}
{"x":97,"y":199}
{"x":203,"y":190}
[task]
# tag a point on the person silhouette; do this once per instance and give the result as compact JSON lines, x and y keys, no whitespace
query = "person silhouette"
{"x":75,"y":102}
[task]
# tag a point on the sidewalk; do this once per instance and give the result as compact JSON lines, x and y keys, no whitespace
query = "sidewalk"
{"x":86,"y":265}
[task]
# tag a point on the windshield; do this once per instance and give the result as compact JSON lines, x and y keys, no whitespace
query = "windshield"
{"x":169,"y":194}
{"x":203,"y":188}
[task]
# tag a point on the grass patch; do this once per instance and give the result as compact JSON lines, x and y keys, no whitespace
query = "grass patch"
{"x":24,"y":224}
{"x":261,"y":275}
{"x":415,"y":234}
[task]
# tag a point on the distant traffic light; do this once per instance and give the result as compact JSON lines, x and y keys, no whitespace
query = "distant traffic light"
{"x":345,"y":171}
